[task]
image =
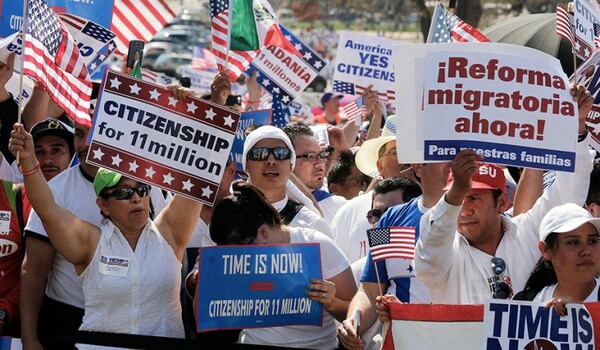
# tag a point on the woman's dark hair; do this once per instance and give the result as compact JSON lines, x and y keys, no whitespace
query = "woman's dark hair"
{"x":542,"y":275}
{"x":236,"y":218}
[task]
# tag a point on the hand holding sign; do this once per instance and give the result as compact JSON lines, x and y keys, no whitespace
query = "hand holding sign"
{"x":585,"y":102}
{"x":464,"y":166}
{"x":6,"y":71}
{"x":220,"y":87}
{"x":382,"y":306}
{"x":322,"y":291}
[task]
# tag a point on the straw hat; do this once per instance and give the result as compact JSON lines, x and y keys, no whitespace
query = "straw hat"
{"x":368,"y":154}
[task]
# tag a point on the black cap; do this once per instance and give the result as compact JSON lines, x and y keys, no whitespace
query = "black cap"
{"x":54,"y":127}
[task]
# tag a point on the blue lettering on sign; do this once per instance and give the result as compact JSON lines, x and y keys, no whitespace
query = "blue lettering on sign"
{"x":85,"y":50}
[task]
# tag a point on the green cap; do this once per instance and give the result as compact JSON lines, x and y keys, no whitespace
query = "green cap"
{"x":104,"y":179}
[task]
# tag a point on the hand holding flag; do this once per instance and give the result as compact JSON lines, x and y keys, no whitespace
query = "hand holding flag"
{"x":447,"y":27}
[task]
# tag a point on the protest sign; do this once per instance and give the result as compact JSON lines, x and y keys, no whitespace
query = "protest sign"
{"x":285,"y":73}
{"x":364,"y":60}
{"x":142,"y":131}
{"x":458,"y":327}
{"x":589,"y":76}
{"x":509,"y":103}
{"x":320,"y":133}
{"x":11,"y":12}
{"x":200,"y":79}
{"x":257,"y":286}
{"x":5,"y":343}
{"x":586,"y":14}
{"x":258,"y":118}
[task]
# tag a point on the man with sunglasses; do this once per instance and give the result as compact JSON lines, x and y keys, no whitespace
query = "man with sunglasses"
{"x":468,"y":251}
{"x":269,"y":159}
{"x":310,"y":168}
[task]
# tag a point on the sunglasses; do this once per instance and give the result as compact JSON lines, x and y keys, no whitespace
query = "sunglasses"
{"x":126,"y":193}
{"x":314,"y":156}
{"x":374,"y":215}
{"x":501,"y":289}
{"x":262,"y":153}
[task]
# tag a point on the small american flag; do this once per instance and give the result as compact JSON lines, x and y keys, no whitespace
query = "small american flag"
{"x":392,"y":242}
{"x":52,"y":58}
{"x":136,"y":19}
{"x":237,"y":61}
{"x":355,"y":89}
{"x":88,"y":28}
{"x":355,"y":108}
{"x":563,"y":24}
{"x":281,"y":113}
{"x":447,"y":27}
{"x":203,"y":59}
{"x":597,"y":35}
{"x":154,"y":77}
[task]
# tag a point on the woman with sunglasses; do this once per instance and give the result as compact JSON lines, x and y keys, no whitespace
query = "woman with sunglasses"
{"x":567,"y":270}
{"x":246,"y":217}
{"x":130,"y":266}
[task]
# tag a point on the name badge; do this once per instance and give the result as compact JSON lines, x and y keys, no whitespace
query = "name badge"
{"x":5,"y":221}
{"x":113,"y":266}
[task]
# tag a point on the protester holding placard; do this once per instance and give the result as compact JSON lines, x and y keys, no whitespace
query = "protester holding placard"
{"x":567,"y":270}
{"x":130,"y":258}
{"x":246,"y":217}
{"x":455,"y":267}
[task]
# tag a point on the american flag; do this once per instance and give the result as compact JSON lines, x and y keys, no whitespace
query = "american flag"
{"x":447,"y":27}
{"x":52,"y":58}
{"x":281,"y":113}
{"x":154,"y":77}
{"x":355,"y":108}
{"x":97,"y":62}
{"x":597,"y":35}
{"x":563,"y":24}
{"x":88,"y":28}
{"x":203,"y":59}
{"x":235,"y":60}
{"x":392,"y":242}
{"x":355,"y":89}
{"x":137,"y":19}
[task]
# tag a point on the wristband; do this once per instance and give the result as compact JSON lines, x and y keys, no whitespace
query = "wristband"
{"x":582,"y":136}
{"x":40,"y":86}
{"x":253,"y":102}
{"x":30,"y":172}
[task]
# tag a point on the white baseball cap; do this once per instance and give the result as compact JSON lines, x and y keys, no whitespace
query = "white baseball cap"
{"x":565,"y":218}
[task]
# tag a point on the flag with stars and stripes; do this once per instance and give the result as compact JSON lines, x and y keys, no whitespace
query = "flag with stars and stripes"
{"x":564,"y":27}
{"x":284,"y":73}
{"x":281,"y":113}
{"x":356,"y":89}
{"x":392,"y":242}
{"x":136,"y":19}
{"x":446,"y":27}
{"x":355,"y":109}
{"x":101,"y":57}
{"x":240,"y":29}
{"x":203,"y":59}
{"x":52,"y":58}
{"x":597,"y":35}
{"x":155,"y":77}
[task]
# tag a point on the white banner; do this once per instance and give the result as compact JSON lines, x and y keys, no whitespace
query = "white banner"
{"x":586,"y":13}
{"x":510,"y":103}
{"x":364,"y":60}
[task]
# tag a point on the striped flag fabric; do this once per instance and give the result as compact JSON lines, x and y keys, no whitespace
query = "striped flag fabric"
{"x":446,"y":27}
{"x":203,"y":59}
{"x":392,"y":242}
{"x":355,"y":89}
{"x":563,"y":24}
{"x":155,"y":77}
{"x":52,"y":58}
{"x":597,"y":35}
{"x":138,"y":19}
{"x":355,"y":109}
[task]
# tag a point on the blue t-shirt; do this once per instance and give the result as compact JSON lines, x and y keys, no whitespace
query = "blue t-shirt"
{"x":407,"y":215}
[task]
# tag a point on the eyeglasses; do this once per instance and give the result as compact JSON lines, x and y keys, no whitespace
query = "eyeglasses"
{"x":125,"y":193}
{"x":262,"y":153}
{"x":314,"y":156}
{"x":501,"y":289}
{"x":374,"y":215}
{"x":393,"y":152}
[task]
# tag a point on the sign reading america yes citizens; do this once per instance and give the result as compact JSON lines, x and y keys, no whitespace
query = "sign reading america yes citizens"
{"x":142,"y":131}
{"x":509,"y":103}
{"x":257,"y":286}
{"x":285,"y":74}
{"x":364,"y":60}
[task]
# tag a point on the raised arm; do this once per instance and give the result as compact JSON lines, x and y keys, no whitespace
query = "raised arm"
{"x":177,"y":221}
{"x":75,"y":239}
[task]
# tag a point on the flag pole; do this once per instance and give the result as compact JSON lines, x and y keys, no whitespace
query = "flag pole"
{"x":571,"y":11}
{"x":452,"y":6}
{"x":23,"y":30}
{"x":378,"y":280}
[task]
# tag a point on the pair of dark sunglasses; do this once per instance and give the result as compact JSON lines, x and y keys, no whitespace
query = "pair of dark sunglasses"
{"x":501,"y":289}
{"x":262,"y":153}
{"x":374,"y":215}
{"x":125,"y":193}
{"x":314,"y":156}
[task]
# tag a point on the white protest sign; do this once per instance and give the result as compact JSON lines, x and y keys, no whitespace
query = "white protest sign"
{"x":320,"y":133}
{"x":142,"y":131}
{"x":586,"y":13}
{"x":200,"y":79}
{"x":89,"y":36}
{"x":589,"y":76}
{"x":10,"y":44}
{"x":509,"y":103}
{"x":364,"y":60}
{"x":509,"y":324}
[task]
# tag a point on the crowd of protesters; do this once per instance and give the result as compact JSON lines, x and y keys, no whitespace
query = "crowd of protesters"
{"x":63,"y":219}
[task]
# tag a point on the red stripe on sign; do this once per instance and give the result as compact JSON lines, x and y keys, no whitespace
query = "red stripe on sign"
{"x":261,"y":286}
